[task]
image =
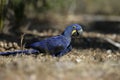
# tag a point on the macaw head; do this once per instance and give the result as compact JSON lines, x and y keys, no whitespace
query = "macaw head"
{"x":76,"y":29}
{"x":73,"y":29}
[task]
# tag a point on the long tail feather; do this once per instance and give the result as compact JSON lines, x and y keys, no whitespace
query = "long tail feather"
{"x":29,"y":51}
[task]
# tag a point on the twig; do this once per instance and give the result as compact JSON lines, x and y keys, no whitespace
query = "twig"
{"x":116,"y":44}
{"x":21,"y":41}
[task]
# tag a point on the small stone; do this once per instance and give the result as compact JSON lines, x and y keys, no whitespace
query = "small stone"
{"x":5,"y":45}
{"x":10,"y":44}
{"x":78,"y":60}
{"x":15,"y":45}
{"x":2,"y":49}
{"x":109,"y":56}
{"x":32,"y":77}
{"x":109,"y":51}
{"x":1,"y":44}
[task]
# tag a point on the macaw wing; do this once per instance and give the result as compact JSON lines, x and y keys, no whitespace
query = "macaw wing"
{"x":64,"y":51}
{"x":52,"y":45}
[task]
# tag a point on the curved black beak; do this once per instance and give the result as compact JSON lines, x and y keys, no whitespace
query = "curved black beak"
{"x":79,"y":32}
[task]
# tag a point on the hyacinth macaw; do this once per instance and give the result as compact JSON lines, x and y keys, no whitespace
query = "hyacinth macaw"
{"x":57,"y":45}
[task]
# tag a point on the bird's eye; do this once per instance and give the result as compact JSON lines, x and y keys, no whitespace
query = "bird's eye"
{"x":74,"y":26}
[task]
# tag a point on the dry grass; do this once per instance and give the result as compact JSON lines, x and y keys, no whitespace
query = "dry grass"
{"x":77,"y":65}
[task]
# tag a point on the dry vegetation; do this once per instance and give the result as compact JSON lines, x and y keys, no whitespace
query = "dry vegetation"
{"x":79,"y":64}
{"x":92,"y":57}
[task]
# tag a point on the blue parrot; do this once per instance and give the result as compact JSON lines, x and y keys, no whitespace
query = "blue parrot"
{"x":57,"y":45}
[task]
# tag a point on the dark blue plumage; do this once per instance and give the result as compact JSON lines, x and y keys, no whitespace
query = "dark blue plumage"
{"x":30,"y":51}
{"x":53,"y":45}
{"x":56,"y":46}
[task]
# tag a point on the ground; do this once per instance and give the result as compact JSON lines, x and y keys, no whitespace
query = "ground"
{"x":96,"y":61}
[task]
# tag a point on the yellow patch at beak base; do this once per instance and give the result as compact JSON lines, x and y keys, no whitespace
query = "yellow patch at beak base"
{"x":73,"y":31}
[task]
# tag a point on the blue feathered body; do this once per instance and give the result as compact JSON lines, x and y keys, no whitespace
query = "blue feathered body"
{"x":53,"y":45}
{"x":29,"y":51}
{"x":56,"y":46}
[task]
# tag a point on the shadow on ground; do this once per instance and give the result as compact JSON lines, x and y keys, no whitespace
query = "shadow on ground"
{"x":94,"y":43}
{"x":79,"y":43}
{"x":105,"y":27}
